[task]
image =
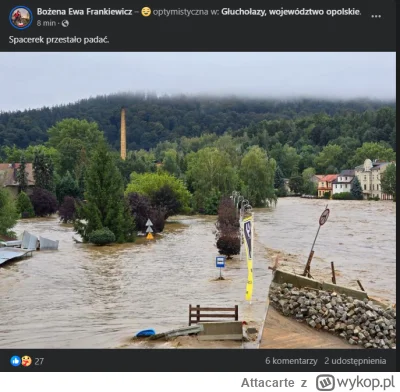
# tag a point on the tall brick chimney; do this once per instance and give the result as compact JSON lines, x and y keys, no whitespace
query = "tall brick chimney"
{"x":123,"y":134}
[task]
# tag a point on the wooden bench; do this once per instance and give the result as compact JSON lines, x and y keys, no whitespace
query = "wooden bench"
{"x":196,"y":315}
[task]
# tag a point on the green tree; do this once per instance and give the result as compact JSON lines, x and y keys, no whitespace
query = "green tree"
{"x":388,"y":181}
{"x":227,"y":144}
{"x":74,"y":140}
{"x":71,"y":156}
{"x":43,"y":171}
{"x":149,"y":184}
{"x":141,"y":161}
{"x":356,"y":189}
{"x":258,"y":174}
{"x":104,"y":206}
{"x":8,"y":213}
{"x":73,"y":129}
{"x":330,"y":156}
{"x":212,"y":202}
{"x":67,"y":186}
{"x":309,"y":186}
{"x":24,"y":206}
{"x":296,"y":184}
{"x":22,"y":176}
{"x":209,"y":172}
{"x":14,"y":154}
{"x":373,"y":151}
{"x":279,"y":180}
{"x":287,"y":159}
{"x":279,"y":183}
{"x":171,"y":162}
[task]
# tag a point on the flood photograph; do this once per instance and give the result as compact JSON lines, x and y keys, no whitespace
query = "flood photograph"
{"x":205,"y":211}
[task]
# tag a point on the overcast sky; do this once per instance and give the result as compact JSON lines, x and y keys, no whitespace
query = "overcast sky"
{"x":32,"y":80}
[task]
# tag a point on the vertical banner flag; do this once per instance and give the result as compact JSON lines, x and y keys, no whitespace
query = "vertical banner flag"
{"x":248,"y":243}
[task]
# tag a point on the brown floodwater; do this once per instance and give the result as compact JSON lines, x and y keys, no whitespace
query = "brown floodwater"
{"x":83,"y":296}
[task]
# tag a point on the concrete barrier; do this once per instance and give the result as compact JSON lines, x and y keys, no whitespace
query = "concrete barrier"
{"x":230,"y":330}
{"x":299,"y":281}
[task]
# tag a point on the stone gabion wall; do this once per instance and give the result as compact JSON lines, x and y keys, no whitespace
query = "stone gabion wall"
{"x":359,"y":322}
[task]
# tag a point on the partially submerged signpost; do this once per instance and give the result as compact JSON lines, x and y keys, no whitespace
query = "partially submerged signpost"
{"x":323,"y":218}
{"x":149,"y":230}
{"x":220,"y":263}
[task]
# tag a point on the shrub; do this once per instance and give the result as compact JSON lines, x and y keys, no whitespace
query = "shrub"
{"x":167,"y":199}
{"x":228,"y":245}
{"x":24,"y":206}
{"x":67,"y":210}
{"x":141,"y":209}
{"x":102,"y":237}
{"x":44,"y":202}
{"x":228,"y":235}
{"x":327,"y":195}
{"x":281,"y":192}
{"x":228,"y":218}
{"x":149,"y":183}
{"x":343,"y":196}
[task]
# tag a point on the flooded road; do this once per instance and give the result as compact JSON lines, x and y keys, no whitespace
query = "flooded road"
{"x":359,"y":237}
{"x":83,"y":296}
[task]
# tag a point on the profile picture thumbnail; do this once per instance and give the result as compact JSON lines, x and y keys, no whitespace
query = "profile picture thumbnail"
{"x":21,"y":17}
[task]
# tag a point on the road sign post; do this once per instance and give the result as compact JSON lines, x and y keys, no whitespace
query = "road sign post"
{"x":322,"y":220}
{"x":149,"y":230}
{"x":220,"y":263}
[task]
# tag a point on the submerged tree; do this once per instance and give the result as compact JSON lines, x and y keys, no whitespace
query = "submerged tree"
{"x":228,"y":228}
{"x":141,"y":209}
{"x":151,"y":184}
{"x":102,"y":237}
{"x":67,"y":211}
{"x":24,"y":206}
{"x":104,"y":204}
{"x":44,"y":202}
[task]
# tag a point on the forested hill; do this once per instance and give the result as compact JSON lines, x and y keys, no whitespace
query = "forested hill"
{"x":151,"y":120}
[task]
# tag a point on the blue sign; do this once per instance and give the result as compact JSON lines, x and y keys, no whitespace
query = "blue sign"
{"x":220,"y":261}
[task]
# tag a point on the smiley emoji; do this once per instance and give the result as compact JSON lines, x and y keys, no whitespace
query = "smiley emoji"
{"x":26,"y":361}
{"x":146,"y":11}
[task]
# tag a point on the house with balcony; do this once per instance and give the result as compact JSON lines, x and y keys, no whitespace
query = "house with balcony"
{"x":344,"y":181}
{"x":369,"y":174}
{"x":325,"y":184}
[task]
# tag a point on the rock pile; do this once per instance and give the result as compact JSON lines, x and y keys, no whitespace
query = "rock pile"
{"x":359,"y":322}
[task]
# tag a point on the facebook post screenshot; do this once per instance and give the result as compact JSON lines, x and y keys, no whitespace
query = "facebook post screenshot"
{"x":198,"y":195}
